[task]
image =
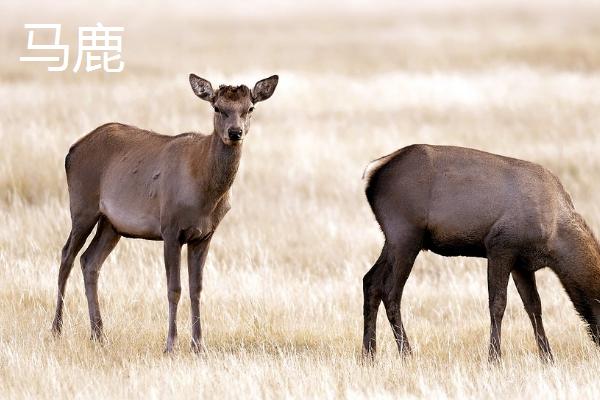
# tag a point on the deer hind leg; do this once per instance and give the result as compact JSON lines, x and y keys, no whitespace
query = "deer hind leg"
{"x":372,"y":291}
{"x":81,"y":228}
{"x":527,"y":288}
{"x":104,"y":242}
{"x":402,"y":251}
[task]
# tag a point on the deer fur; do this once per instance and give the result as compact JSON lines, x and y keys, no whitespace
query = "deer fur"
{"x":462,"y":202}
{"x":136,"y":183}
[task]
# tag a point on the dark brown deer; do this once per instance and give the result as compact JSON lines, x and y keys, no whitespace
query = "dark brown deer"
{"x":462,"y":202}
{"x":136,"y":183}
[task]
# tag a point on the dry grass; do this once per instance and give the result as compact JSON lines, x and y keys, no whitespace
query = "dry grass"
{"x":282,"y":302}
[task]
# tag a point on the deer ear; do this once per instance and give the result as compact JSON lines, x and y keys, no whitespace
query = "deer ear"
{"x":264,"y":88}
{"x":202,"y":88}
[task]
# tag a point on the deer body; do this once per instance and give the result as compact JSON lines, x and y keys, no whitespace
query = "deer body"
{"x":462,"y":202}
{"x":152,"y":184}
{"x":136,"y":183}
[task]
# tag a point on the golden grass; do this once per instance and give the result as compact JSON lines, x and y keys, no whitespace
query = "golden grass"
{"x":282,"y":304}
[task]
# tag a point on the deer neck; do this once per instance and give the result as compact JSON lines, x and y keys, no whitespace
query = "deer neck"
{"x":578,"y":267}
{"x":223,"y":166}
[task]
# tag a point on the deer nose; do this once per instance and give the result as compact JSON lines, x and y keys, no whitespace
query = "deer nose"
{"x":234,"y":133}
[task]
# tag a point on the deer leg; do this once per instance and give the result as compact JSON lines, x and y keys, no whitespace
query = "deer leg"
{"x":527,"y":288}
{"x":499,"y":267}
{"x":197,"y":252}
{"x":172,"y":249}
{"x":372,"y":289}
{"x":401,"y":257}
{"x":104,"y":242}
{"x":79,"y":232}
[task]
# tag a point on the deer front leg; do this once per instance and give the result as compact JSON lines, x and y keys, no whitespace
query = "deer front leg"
{"x":172,"y":266}
{"x":525,"y":283}
{"x":197,"y":252}
{"x":499,"y":267}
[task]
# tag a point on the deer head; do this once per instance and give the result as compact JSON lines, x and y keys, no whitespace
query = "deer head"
{"x":233,"y":105}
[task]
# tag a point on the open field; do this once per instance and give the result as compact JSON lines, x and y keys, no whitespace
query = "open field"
{"x":282,"y":299}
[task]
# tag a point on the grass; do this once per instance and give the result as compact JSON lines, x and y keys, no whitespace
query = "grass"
{"x":282,"y":303}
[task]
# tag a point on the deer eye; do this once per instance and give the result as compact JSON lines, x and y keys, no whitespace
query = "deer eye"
{"x":251,"y":109}
{"x":219,"y":111}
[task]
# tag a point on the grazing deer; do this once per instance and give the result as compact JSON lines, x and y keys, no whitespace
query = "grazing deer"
{"x":136,"y":183}
{"x":463,"y":202}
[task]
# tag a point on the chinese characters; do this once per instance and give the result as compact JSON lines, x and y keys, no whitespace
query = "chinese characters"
{"x":99,"y":47}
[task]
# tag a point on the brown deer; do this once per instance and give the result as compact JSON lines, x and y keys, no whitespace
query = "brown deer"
{"x":463,"y":202}
{"x":136,"y":183}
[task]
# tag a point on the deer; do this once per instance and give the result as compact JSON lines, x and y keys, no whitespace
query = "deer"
{"x":457,"y":201}
{"x":136,"y":183}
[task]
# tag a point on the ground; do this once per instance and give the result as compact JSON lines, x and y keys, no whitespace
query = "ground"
{"x":282,"y":299}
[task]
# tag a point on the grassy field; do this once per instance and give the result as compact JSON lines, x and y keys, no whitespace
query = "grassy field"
{"x":282,"y":299}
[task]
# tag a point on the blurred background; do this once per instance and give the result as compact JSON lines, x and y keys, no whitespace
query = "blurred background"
{"x":282,"y":304}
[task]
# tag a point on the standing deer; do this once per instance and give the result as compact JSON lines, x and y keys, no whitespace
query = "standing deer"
{"x":463,"y":202}
{"x":139,"y":184}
